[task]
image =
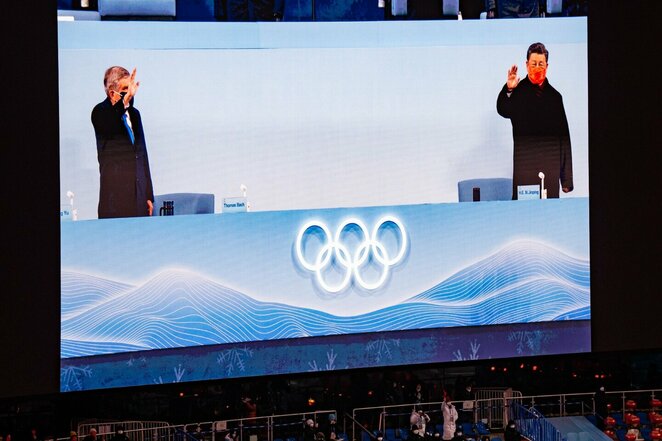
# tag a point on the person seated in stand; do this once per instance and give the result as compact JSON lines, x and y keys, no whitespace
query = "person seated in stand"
{"x":634,"y":432}
{"x":459,"y":436}
{"x":511,"y":433}
{"x":231,"y":435}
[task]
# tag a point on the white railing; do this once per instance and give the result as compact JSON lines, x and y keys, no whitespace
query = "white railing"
{"x":285,"y":427}
{"x":491,"y":408}
{"x":136,"y":430}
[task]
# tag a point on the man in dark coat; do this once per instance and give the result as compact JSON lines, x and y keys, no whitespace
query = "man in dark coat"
{"x":540,"y":127}
{"x":126,"y":183}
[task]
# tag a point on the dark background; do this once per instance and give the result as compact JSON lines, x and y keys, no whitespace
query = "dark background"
{"x":624,"y":115}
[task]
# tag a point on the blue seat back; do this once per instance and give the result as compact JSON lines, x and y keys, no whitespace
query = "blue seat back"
{"x":491,"y":189}
{"x":186,"y":203}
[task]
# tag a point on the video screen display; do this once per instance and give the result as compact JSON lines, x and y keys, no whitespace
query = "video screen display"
{"x":247,"y":199}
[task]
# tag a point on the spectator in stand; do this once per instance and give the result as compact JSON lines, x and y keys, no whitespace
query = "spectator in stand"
{"x":414,"y":434}
{"x":450,"y":416}
{"x":418,"y":397}
{"x":198,"y":433}
{"x":466,"y":396}
{"x":459,"y":435}
{"x":601,"y":411}
{"x":231,"y":435}
{"x":512,"y":434}
{"x":394,"y":394}
{"x":33,"y":435}
{"x":423,"y":420}
{"x":91,"y":436}
{"x":331,"y":430}
{"x":73,"y":436}
{"x":309,"y":430}
{"x":120,"y":435}
{"x":636,"y":432}
{"x":249,"y":408}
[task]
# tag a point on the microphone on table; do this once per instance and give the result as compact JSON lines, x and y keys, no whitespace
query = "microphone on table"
{"x":543,"y":190}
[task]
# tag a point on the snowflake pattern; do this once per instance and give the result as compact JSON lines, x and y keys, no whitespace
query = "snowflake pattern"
{"x":179,"y":374}
{"x":381,"y":349}
{"x":531,"y":340}
{"x":473,"y":354}
{"x":131,"y":361}
{"x":235,"y":358}
{"x":330,"y":364}
{"x":71,"y":377}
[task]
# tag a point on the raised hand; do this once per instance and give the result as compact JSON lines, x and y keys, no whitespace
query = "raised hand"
{"x":133,"y":88}
{"x":513,"y":79}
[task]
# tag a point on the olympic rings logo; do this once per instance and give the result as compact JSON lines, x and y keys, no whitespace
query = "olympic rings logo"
{"x":351,"y":263}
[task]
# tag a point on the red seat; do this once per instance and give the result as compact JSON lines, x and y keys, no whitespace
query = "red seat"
{"x":610,"y":422}
{"x":656,"y":434}
{"x":655,"y":418}
{"x":632,"y":419}
{"x":631,"y":404}
{"x":630,"y":437}
{"x":656,"y":403}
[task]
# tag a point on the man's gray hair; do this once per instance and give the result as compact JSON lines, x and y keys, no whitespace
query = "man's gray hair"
{"x":112,"y":78}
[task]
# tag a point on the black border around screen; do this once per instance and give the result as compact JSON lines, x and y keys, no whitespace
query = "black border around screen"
{"x":623,"y":150}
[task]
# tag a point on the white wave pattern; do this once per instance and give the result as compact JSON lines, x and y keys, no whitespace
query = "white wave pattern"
{"x":523,"y":282}
{"x":80,"y":292}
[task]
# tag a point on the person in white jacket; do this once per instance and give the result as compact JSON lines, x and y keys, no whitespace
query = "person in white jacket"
{"x":450,"y":416}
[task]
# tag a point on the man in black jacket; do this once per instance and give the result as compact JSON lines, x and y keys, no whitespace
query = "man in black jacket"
{"x":540,"y":127}
{"x":126,"y":183}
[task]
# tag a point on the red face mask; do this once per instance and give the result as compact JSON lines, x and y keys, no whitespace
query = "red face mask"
{"x":536,"y":68}
{"x":538,"y":76}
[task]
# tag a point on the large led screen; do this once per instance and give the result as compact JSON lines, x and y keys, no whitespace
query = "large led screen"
{"x":326,"y":196}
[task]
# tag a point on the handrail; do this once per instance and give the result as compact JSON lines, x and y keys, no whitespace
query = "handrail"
{"x":173,"y":432}
{"x":559,"y":402}
{"x":562,"y":401}
{"x":533,"y":425}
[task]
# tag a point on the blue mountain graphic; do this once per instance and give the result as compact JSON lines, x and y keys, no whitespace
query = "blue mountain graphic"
{"x":523,"y":282}
{"x":80,"y":292}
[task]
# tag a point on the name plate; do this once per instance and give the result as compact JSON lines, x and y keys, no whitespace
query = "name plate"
{"x":65,"y":213}
{"x":528,"y":192}
{"x":234,"y":205}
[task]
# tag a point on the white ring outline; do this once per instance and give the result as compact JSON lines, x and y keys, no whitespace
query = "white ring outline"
{"x":370,"y":245}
